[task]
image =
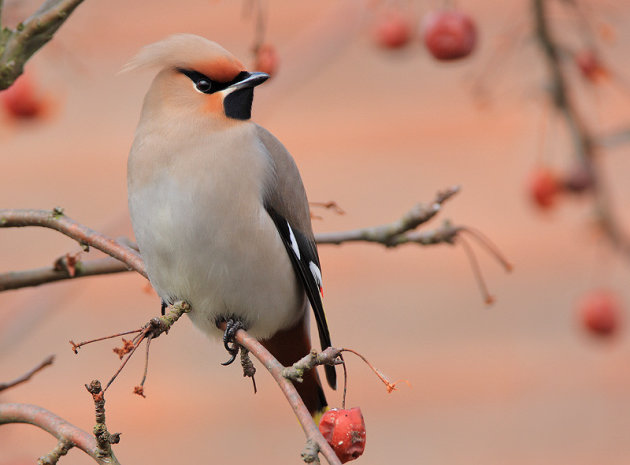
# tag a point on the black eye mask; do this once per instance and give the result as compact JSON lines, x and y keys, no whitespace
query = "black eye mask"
{"x":209,"y":86}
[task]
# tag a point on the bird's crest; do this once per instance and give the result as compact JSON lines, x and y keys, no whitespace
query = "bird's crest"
{"x":188,"y":51}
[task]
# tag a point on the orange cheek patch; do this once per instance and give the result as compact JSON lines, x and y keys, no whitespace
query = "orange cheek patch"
{"x":213,"y":104}
{"x":222,"y":69}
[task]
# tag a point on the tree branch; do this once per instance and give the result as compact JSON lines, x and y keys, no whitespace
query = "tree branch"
{"x":393,"y":234}
{"x":61,"y":449}
{"x":583,"y":140}
{"x":17,"y":46}
{"x":55,"y":219}
{"x":159,"y":325}
{"x":274,"y":367}
{"x":390,"y":235}
{"x":614,"y":139}
{"x":35,"y":277}
{"x":104,"y":439}
{"x":56,"y":426}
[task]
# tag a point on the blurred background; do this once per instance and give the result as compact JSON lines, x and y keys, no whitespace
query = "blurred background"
{"x":376,"y":129}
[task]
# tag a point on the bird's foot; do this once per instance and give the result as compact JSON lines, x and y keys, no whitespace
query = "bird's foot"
{"x":231,"y":327}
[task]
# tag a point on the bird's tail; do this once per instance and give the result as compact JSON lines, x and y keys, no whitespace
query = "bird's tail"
{"x":288,"y":346}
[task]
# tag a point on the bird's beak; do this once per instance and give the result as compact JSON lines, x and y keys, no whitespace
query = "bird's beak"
{"x":250,"y":81}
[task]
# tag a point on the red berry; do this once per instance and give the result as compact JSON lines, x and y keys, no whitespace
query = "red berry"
{"x":392,"y":30}
{"x":449,"y":34}
{"x":600,"y":312}
{"x":20,"y":100}
{"x":344,"y":429}
{"x":590,"y":65}
{"x":266,"y":59}
{"x":578,"y":179}
{"x":543,"y":188}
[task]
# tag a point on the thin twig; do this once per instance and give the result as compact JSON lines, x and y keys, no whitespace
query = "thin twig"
{"x":488,"y":245}
{"x":391,"y":234}
{"x":122,"y":365}
{"x":61,"y":449}
{"x":330,"y":205}
{"x":384,"y":379}
{"x":329,"y":356}
{"x":104,"y":439}
{"x":345,"y":385}
{"x":140,"y":388}
{"x":75,"y":346}
{"x":28,"y":375}
{"x":154,"y":328}
{"x":488,"y":298}
{"x":249,"y":370}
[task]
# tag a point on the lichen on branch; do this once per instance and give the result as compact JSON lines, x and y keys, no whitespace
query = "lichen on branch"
{"x":18,"y":45}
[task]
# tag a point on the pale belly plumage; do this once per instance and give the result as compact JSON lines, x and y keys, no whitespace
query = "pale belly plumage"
{"x":207,"y":239}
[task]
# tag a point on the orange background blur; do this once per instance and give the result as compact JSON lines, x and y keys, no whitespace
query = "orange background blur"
{"x":377,"y":131}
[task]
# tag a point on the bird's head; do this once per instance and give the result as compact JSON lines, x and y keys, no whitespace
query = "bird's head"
{"x":199,"y":78}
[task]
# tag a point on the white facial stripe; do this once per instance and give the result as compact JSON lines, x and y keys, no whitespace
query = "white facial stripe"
{"x":316,"y":274}
{"x":294,"y":244}
{"x":227,"y":91}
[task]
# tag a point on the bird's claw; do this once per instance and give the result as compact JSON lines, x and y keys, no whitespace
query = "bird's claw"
{"x":231,"y":327}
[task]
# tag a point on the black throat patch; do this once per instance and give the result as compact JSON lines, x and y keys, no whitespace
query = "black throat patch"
{"x":238,"y":104}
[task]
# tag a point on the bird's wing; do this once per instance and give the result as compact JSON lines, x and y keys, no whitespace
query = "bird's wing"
{"x":287,"y":205}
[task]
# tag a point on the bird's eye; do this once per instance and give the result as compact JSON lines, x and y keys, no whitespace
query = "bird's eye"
{"x":203,"y":86}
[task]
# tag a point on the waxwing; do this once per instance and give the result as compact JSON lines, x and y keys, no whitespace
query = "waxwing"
{"x":218,"y":206}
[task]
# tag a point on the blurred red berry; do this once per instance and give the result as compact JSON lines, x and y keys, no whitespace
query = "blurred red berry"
{"x":344,"y":429}
{"x":578,"y":179}
{"x":21,"y":100}
{"x":449,"y":34}
{"x":600,"y":312}
{"x":392,"y":30}
{"x":590,"y":66}
{"x":543,"y":188}
{"x":267,"y":59}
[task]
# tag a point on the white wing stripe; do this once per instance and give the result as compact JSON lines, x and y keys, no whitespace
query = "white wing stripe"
{"x":316,"y":273}
{"x":294,"y":244}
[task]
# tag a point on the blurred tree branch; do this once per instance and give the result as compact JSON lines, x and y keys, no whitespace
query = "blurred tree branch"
{"x":584,"y":142}
{"x":614,"y":139}
{"x":18,"y":45}
{"x":29,"y":374}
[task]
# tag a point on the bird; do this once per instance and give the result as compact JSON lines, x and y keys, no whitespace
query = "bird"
{"x":218,"y":207}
